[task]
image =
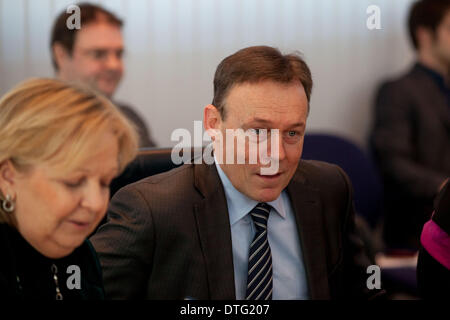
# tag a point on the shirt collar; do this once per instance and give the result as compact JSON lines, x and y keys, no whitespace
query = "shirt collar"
{"x":437,"y":77}
{"x":239,"y":205}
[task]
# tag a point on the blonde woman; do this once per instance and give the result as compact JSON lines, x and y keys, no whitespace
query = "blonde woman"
{"x":60,"y":147}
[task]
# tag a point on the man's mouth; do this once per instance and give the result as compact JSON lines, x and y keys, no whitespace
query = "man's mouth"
{"x":269,"y":177}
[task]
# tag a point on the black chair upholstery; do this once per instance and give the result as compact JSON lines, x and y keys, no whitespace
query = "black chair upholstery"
{"x":149,"y":161}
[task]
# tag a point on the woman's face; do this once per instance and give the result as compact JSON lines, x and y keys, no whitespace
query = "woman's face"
{"x":55,"y":212}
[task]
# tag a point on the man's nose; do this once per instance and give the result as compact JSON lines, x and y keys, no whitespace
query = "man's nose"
{"x":113,"y":61}
{"x":276,"y":146}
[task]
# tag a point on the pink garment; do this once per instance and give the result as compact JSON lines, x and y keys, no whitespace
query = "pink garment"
{"x":437,"y":242}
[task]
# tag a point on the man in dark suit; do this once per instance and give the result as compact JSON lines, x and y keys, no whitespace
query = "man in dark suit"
{"x":92,"y":55}
{"x":274,"y":228}
{"x":411,"y":135}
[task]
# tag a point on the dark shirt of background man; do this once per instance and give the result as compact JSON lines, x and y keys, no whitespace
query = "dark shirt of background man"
{"x":411,"y":135}
{"x":93,"y":55}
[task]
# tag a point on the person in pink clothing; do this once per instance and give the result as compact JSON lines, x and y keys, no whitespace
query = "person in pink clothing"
{"x":433,"y":268}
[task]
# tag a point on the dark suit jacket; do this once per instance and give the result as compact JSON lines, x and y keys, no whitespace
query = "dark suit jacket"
{"x":19,"y":259}
{"x":168,"y":236}
{"x":145,"y":139}
{"x":411,"y":140}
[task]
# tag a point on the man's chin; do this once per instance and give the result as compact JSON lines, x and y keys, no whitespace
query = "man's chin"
{"x":267,"y":195}
{"x":107,"y":93}
{"x":107,"y":90}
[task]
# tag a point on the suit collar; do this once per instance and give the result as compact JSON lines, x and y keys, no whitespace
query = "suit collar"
{"x":306,"y":203}
{"x":213,"y":225}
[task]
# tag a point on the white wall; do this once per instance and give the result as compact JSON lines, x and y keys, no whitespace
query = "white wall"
{"x":174,"y":47}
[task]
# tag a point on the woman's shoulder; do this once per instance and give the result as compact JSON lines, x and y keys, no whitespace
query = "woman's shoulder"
{"x":85,"y":261}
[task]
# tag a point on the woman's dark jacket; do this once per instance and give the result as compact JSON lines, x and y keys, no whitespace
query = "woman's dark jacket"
{"x":27,"y":274}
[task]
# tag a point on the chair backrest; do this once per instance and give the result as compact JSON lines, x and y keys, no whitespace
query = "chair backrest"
{"x":149,"y":161}
{"x":368,"y":192}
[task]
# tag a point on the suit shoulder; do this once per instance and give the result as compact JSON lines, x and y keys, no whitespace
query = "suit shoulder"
{"x":403,"y":82}
{"x":323,"y":175}
{"x":184,"y":172}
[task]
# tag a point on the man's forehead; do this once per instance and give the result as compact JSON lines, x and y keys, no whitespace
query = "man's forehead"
{"x":99,"y":35}
{"x":267,"y":91}
{"x":266,"y":104}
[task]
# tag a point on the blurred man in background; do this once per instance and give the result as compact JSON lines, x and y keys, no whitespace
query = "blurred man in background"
{"x":93,"y":55}
{"x":411,"y":136}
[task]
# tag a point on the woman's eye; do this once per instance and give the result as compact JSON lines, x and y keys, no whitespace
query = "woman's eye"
{"x":105,"y":184}
{"x":74,"y":183}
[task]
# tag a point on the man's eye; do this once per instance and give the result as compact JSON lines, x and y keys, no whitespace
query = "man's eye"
{"x":256,"y":131}
{"x":119,"y":54}
{"x":99,"y":54}
{"x":292,"y":133}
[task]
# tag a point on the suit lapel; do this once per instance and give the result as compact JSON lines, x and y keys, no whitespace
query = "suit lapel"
{"x":307,"y":207}
{"x":213,"y":226}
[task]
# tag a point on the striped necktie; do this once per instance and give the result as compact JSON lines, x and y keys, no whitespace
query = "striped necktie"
{"x":259,"y":277}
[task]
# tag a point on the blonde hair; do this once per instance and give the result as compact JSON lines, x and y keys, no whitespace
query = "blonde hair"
{"x":47,"y":120}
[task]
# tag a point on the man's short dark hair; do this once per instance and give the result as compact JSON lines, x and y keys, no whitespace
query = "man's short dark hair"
{"x":255,"y":64}
{"x":428,"y":14}
{"x":89,"y":13}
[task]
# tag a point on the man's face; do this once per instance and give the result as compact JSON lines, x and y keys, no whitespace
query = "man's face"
{"x":96,"y":58}
{"x":266,"y":105}
{"x":441,"y":42}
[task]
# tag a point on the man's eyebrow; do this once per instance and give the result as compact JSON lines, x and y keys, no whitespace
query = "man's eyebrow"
{"x":268,"y":122}
{"x":298,"y":124}
{"x":103,"y":49}
{"x":260,"y":120}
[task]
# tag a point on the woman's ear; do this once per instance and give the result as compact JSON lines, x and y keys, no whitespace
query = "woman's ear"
{"x":8,"y":174}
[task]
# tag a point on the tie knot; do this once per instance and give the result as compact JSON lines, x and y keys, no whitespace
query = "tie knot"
{"x":260,"y":215}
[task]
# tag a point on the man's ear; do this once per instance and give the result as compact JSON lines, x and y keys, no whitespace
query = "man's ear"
{"x":8,"y":174}
{"x":424,"y":36}
{"x":61,"y":55}
{"x":212,"y":119}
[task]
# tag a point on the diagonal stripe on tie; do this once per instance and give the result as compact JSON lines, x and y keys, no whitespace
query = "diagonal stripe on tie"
{"x":256,"y":262}
{"x":259,"y":272}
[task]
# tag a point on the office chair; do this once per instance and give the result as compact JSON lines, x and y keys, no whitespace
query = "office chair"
{"x":359,"y":167}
